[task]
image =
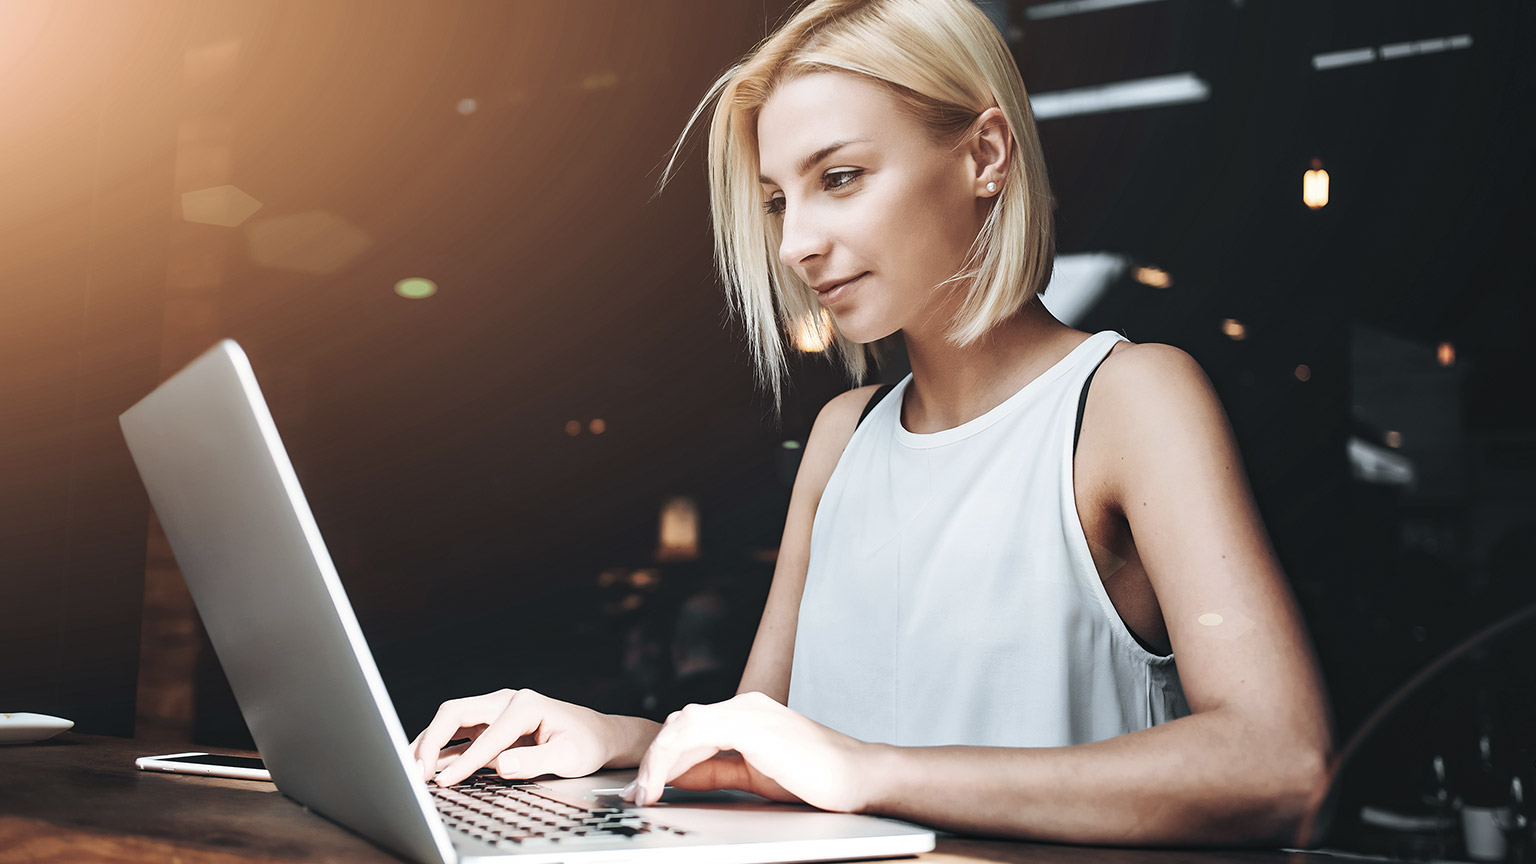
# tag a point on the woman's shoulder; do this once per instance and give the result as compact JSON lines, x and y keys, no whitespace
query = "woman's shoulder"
{"x":839,"y":417}
{"x":1143,"y":373}
{"x":829,"y":437}
{"x":1149,"y":405}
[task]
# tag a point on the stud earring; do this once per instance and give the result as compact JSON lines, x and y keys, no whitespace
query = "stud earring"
{"x":991,"y":187}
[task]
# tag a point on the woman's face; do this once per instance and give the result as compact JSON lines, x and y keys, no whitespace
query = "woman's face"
{"x":889,"y":207}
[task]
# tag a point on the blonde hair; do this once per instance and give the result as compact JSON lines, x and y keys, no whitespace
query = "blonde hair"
{"x":945,"y":63}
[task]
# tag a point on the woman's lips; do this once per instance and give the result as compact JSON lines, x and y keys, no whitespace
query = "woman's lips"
{"x":831,"y":296}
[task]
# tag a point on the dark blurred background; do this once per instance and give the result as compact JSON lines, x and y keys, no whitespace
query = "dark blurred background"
{"x":553,"y":472}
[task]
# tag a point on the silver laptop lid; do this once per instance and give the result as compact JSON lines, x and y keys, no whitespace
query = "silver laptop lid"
{"x":248,"y":547}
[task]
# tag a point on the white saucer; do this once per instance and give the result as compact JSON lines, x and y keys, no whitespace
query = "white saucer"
{"x":27,"y":728}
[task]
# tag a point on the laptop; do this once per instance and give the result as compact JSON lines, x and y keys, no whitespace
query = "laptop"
{"x":284,"y":631}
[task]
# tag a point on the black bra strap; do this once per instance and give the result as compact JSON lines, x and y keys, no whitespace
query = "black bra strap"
{"x":873,"y":401}
{"x":1082,"y":402}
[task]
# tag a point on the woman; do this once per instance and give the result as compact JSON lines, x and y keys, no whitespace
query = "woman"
{"x":980,"y":627}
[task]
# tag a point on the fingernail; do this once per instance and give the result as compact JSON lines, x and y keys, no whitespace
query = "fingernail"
{"x":628,"y":792}
{"x":421,"y":768}
{"x":640,"y":794}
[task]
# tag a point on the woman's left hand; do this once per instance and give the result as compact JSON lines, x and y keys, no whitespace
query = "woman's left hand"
{"x":752,"y":743}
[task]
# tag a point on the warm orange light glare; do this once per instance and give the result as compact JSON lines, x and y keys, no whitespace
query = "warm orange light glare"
{"x":1394,"y":439}
{"x":1314,"y":186}
{"x":813,"y":333}
{"x":597,"y":427}
{"x":573,"y":427}
{"x":1154,"y":277}
{"x":1234,"y":329}
{"x":219,"y":205}
{"x":310,"y":242}
{"x":1446,"y":354}
{"x":679,"y":529}
{"x":1303,"y":372}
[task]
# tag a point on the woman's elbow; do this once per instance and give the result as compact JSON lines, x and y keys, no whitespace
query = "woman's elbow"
{"x":1295,"y":790}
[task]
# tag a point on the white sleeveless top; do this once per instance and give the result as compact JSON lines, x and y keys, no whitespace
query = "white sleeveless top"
{"x":951,"y":597}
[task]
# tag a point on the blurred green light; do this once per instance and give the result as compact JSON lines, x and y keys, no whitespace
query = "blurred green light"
{"x":791,"y":445}
{"x":415,"y":288}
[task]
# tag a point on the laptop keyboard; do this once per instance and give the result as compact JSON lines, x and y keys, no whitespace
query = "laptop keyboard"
{"x":517,"y":814}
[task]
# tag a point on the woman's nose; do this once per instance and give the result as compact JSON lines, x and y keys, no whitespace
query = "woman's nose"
{"x":804,"y":237}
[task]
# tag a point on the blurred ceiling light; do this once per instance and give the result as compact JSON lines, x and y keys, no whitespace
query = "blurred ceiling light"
{"x":646,"y":578}
{"x":600,"y":81}
{"x":1340,"y":59}
{"x":1394,"y":439}
{"x":1174,"y":89}
{"x":573,"y":427}
{"x":1314,"y":186}
{"x":218,"y":205}
{"x":416,"y":288}
{"x":1446,"y":354}
{"x":1376,"y":464}
{"x":311,"y":242}
{"x":1234,"y":329}
{"x":468,"y":106}
{"x":1063,"y":8}
{"x":597,"y":426}
{"x":1393,"y":51}
{"x":791,"y":445}
{"x":1303,"y":372}
{"x":1153,"y":276}
{"x":1398,"y":50}
{"x":679,"y":530}
{"x":813,"y":333}
{"x":1078,"y":281}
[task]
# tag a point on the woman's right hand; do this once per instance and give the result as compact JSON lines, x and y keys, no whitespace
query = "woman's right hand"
{"x":520,"y":733}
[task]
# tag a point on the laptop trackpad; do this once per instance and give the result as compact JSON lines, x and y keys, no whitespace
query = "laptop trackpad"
{"x":670,"y":795}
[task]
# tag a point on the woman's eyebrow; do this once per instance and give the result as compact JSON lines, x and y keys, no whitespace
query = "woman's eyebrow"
{"x":811,"y":161}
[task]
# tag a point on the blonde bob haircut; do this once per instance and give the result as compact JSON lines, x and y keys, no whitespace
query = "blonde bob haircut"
{"x":945,"y":63}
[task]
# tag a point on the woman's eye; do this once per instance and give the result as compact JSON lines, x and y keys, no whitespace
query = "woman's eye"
{"x":840,"y":179}
{"x":831,"y":181}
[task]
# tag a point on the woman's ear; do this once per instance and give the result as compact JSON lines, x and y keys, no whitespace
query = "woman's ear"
{"x":990,"y":143}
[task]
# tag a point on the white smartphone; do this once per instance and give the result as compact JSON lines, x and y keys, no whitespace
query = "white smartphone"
{"x":211,"y":764}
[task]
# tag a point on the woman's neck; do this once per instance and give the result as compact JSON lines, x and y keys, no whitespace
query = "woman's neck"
{"x":952,"y":385}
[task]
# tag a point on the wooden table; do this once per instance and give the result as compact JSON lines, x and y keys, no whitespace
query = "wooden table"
{"x":79,"y":799}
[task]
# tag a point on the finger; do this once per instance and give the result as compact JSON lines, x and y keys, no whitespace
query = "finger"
{"x":689,"y":737}
{"x":653,"y":783}
{"x":456,"y":715}
{"x":730,"y":770}
{"x":447,"y":756}
{"x":724,"y":770}
{"x":416,"y":742}
{"x":460,"y":740}
{"x":452,"y":751}
{"x":521,"y":716}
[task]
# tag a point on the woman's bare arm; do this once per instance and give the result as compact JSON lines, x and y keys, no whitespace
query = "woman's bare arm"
{"x":1245,"y":765}
{"x":768,"y":666}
